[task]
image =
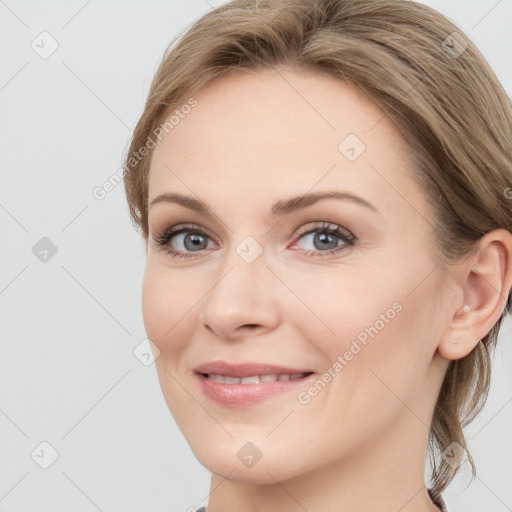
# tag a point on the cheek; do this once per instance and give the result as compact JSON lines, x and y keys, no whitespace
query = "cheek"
{"x":342,"y":307}
{"x":394,"y":346}
{"x":166,"y":306}
{"x":153,"y":307}
{"x":168,"y":317}
{"x":378,"y":335}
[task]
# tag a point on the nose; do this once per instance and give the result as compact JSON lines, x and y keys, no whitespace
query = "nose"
{"x":242,"y":301}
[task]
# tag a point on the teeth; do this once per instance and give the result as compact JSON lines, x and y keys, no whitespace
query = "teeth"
{"x":250,"y":380}
{"x":255,"y":379}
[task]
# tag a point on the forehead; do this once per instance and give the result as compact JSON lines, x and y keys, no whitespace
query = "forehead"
{"x":280,"y":130}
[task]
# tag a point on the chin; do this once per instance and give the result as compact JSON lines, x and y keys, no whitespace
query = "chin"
{"x":241,"y":461}
{"x":262,"y":473}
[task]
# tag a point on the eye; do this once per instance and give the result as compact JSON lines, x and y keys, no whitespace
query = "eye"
{"x":183,"y":240}
{"x":325,"y":239}
{"x":185,"y":236}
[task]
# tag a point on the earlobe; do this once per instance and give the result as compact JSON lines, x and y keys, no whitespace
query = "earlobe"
{"x":459,"y":340}
{"x":485,"y":286}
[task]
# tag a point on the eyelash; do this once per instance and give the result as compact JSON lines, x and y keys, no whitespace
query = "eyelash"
{"x":163,"y":241}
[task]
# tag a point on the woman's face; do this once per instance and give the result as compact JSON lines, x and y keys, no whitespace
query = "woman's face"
{"x":345,"y":288}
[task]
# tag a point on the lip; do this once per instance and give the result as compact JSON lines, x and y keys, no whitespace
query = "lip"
{"x":245,"y":395}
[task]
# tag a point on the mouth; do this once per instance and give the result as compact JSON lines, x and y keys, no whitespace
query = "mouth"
{"x":256,"y":379}
{"x":248,"y":384}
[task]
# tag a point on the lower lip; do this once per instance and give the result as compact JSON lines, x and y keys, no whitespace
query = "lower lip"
{"x":243,"y":395}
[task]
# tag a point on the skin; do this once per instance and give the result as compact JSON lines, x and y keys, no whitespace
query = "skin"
{"x":360,"y":443}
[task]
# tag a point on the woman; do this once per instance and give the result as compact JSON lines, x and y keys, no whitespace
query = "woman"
{"x":308,"y":377}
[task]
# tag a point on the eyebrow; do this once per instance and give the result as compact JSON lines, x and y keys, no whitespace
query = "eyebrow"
{"x":280,"y":208}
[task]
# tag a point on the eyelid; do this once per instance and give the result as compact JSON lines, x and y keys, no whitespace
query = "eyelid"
{"x":347,"y":237}
{"x":305,"y":229}
{"x":165,"y":236}
{"x":320,"y":224}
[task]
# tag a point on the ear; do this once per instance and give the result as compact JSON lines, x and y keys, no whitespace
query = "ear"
{"x":485,"y":282}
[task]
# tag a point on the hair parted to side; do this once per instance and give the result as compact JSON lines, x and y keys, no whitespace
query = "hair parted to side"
{"x":449,"y":107}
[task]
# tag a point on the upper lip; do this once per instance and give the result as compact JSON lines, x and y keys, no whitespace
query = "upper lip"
{"x":245,"y":369}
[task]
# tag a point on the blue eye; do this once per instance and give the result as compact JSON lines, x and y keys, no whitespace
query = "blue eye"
{"x":325,"y":237}
{"x":192,"y":240}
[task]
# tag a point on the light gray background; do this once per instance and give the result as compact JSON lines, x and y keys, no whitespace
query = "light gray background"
{"x":68,"y":375}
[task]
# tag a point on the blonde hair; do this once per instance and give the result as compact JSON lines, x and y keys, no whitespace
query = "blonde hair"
{"x":434,"y":85}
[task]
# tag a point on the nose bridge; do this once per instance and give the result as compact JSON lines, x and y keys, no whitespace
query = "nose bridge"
{"x":241,"y":294}
{"x":247,"y":260}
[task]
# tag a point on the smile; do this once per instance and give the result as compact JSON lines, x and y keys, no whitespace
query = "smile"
{"x":251,"y":390}
{"x":255,"y":379}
